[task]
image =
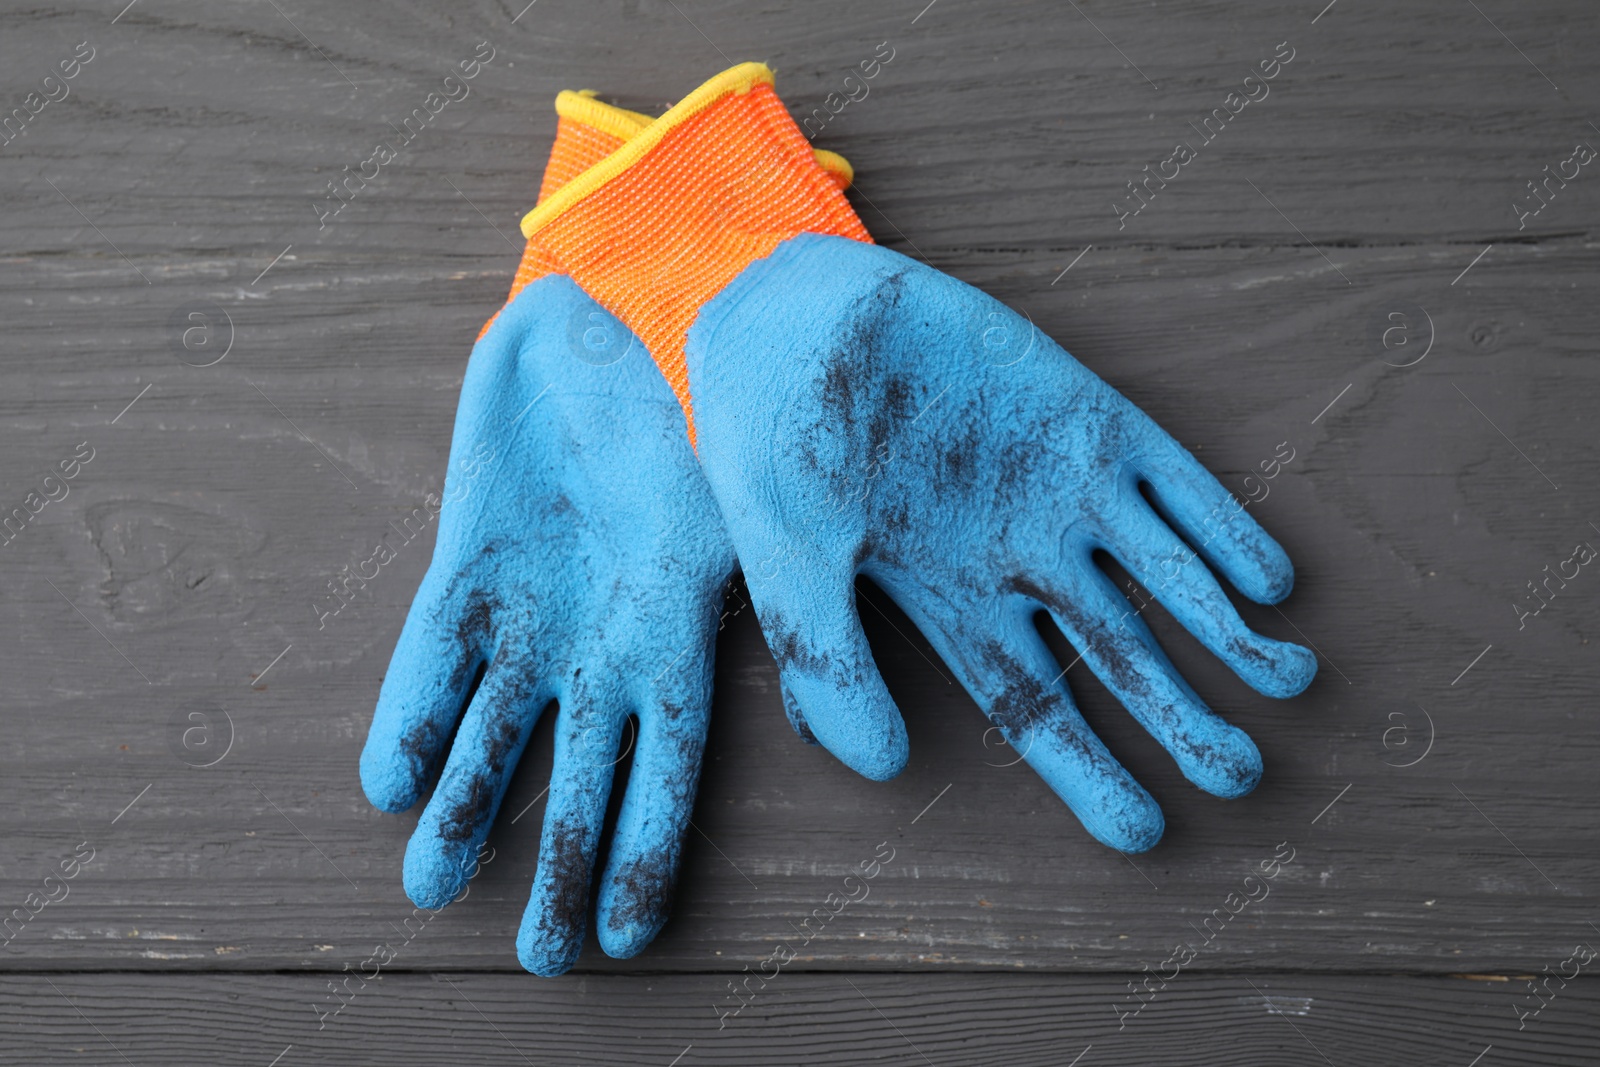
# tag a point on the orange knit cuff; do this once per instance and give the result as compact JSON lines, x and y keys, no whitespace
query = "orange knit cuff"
{"x":663,"y":224}
{"x":587,"y":131}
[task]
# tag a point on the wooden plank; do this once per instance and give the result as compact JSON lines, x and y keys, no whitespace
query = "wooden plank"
{"x":1011,"y":127}
{"x":1280,"y":1019}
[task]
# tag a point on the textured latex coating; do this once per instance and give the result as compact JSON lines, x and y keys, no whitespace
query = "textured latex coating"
{"x":860,"y":412}
{"x":581,"y":560}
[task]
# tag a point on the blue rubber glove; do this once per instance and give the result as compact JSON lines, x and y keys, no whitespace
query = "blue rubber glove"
{"x":580,"y":559}
{"x":857,"y":412}
{"x":932,"y":440}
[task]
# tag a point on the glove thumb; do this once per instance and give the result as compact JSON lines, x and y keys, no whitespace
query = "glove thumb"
{"x":830,"y":682}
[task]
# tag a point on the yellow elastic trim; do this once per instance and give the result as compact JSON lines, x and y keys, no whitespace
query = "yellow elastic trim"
{"x":582,"y":107}
{"x":834,"y":163}
{"x":734,"y":82}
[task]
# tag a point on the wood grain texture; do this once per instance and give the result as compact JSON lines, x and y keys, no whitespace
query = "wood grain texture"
{"x":939,"y":1019}
{"x":193,"y":549}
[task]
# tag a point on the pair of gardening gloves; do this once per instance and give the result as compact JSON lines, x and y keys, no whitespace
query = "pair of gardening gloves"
{"x":705,"y":365}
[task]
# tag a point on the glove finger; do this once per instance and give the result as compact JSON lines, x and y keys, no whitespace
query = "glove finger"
{"x":1017,"y":683}
{"x":1119,"y":648}
{"x":445,"y":844}
{"x":1210,"y":518}
{"x":1166,"y":566}
{"x":824,"y":662}
{"x":553,"y":924}
{"x":424,"y":689}
{"x":647,"y":845}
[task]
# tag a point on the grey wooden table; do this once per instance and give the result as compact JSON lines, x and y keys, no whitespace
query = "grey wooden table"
{"x":1355,"y":268}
